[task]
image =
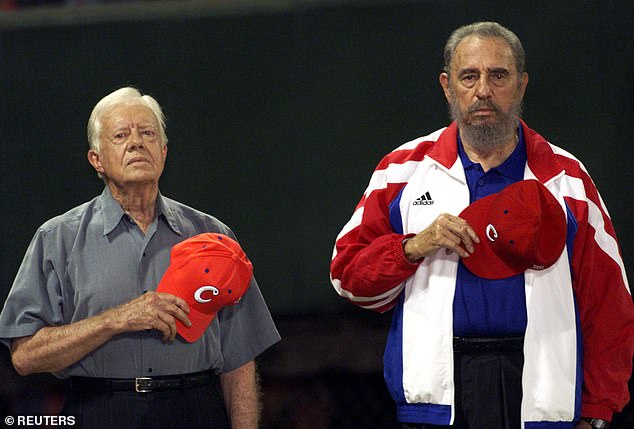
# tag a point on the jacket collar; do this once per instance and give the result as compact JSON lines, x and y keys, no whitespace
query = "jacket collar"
{"x":541,"y":159}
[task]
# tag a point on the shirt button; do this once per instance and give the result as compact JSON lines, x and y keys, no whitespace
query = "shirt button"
{"x":480,"y":182}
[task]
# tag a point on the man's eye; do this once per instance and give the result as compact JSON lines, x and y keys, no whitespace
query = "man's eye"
{"x":468,"y":80}
{"x":119,"y":138}
{"x":149,"y":133}
{"x":500,"y":79}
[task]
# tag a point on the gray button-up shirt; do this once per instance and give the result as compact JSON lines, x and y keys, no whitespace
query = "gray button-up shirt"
{"x":95,"y":257}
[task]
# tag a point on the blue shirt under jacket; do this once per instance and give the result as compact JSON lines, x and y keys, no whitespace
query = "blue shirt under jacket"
{"x":482,"y":307}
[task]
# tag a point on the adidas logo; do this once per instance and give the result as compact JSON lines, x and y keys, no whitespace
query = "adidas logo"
{"x":424,"y":200}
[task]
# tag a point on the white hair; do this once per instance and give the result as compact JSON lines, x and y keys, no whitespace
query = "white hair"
{"x":126,"y":95}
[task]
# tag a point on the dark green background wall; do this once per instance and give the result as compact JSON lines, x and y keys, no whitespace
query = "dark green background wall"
{"x":277,"y":117}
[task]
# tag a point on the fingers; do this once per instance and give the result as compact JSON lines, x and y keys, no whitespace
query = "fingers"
{"x":157,"y":311}
{"x":175,"y":306}
{"x":168,"y":327}
{"x":459,"y":235}
{"x":445,"y":232}
{"x":169,"y":308}
{"x":180,"y":303}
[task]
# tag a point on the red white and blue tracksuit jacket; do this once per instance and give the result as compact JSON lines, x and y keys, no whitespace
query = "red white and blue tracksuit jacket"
{"x":579,"y":338}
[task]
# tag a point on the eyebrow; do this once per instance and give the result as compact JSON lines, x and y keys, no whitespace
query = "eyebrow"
{"x":490,"y":70}
{"x":501,"y":70}
{"x":119,"y":129}
{"x":126,"y":126}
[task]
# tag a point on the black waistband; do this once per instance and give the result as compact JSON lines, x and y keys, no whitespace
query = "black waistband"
{"x":143,"y":384}
{"x":488,"y":345}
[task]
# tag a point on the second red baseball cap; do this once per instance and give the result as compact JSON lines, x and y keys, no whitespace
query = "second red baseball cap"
{"x":521,"y":227}
{"x":209,"y":271}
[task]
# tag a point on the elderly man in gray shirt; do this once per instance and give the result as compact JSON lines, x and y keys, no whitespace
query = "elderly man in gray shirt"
{"x":83,"y":305}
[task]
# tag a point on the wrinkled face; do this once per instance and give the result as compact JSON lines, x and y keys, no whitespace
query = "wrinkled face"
{"x":484,"y":88}
{"x":132,"y":150}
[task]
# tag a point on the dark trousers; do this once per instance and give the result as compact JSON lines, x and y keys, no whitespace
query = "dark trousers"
{"x":194,"y":407}
{"x":488,"y":391}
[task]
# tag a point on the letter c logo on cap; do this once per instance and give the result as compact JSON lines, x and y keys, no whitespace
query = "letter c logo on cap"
{"x":198,"y":294}
{"x":492,"y":234}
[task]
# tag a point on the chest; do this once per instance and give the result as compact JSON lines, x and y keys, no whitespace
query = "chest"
{"x":106,"y":270}
{"x":430,"y":192}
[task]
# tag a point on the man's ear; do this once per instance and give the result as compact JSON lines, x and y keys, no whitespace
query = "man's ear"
{"x":523,"y":84}
{"x":444,"y":83}
{"x":94,"y":160}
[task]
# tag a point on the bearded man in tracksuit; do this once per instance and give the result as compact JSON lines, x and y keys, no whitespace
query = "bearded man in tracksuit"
{"x":545,"y":348}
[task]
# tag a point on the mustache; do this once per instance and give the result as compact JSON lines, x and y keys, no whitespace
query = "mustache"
{"x":484,"y":104}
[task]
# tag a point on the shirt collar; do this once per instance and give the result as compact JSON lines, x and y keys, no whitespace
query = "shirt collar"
{"x":113,"y":213}
{"x":512,"y":167}
{"x":164,"y":207}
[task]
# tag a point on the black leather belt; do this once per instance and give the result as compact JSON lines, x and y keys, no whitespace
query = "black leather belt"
{"x":143,"y":384}
{"x":488,"y":345}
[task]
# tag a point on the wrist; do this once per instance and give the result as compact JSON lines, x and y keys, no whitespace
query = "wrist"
{"x":409,"y":251}
{"x":597,"y":423}
{"x":108,"y":324}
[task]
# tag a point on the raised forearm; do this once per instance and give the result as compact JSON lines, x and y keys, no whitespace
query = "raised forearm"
{"x":54,"y":348}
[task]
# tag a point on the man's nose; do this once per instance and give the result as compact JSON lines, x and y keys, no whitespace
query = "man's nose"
{"x":483,"y":87}
{"x":135,"y":138}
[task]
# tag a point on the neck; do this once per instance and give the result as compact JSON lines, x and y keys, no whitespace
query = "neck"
{"x":138,"y":202}
{"x":490,"y":157}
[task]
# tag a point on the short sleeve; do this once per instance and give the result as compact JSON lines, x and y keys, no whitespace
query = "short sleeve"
{"x":35,"y":299}
{"x":246,"y":329}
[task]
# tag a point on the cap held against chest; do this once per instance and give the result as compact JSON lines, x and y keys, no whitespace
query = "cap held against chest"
{"x":521,"y":227}
{"x":209,"y":271}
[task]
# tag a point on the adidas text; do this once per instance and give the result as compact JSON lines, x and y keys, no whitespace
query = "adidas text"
{"x":424,"y":200}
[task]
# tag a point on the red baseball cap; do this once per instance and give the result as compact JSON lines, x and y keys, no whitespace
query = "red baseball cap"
{"x":209,"y":271}
{"x":521,"y":227}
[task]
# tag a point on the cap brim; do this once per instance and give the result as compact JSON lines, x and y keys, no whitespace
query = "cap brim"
{"x":200,"y":321}
{"x":484,"y":262}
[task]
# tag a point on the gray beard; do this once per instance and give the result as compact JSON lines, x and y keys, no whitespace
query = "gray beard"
{"x":486,"y":137}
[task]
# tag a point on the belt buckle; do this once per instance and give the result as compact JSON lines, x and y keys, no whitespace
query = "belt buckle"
{"x":142,"y":384}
